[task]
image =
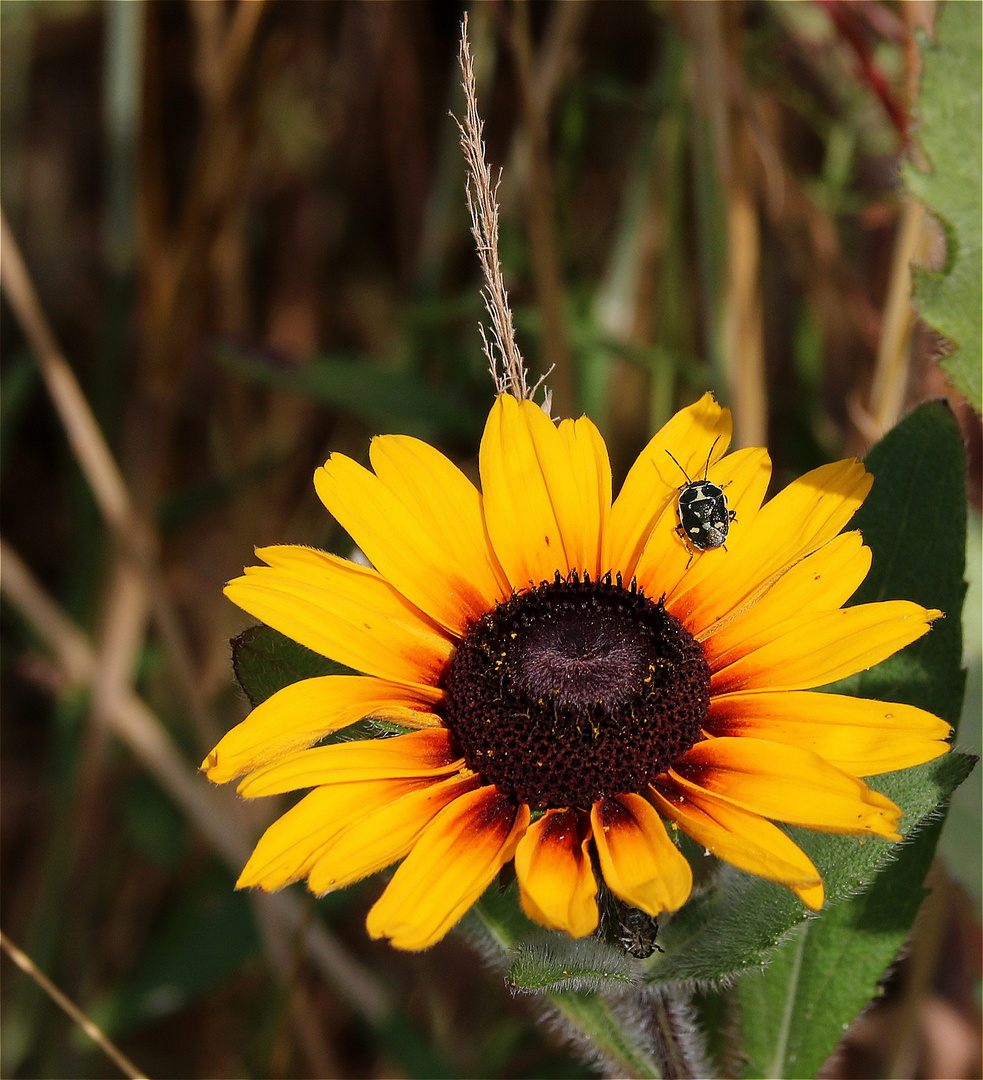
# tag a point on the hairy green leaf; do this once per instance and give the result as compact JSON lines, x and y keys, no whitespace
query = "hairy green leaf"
{"x":949,"y":133}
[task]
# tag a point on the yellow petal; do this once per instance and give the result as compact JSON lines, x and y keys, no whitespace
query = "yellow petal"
{"x":303,"y":712}
{"x":667,"y":564}
{"x":742,"y":839}
{"x":381,"y":837}
{"x":422,"y":530}
{"x":444,"y":498}
{"x":546,"y":492}
{"x":821,"y":582}
{"x":860,"y":737}
{"x":816,"y":650}
{"x":640,"y":864}
{"x":420,"y":753}
{"x":584,"y":506}
{"x":450,"y":866}
{"x":798,"y":520}
{"x":556,"y":883}
{"x":654,"y":479}
{"x":785,"y":783}
{"x":292,"y":844}
{"x":343,"y":611}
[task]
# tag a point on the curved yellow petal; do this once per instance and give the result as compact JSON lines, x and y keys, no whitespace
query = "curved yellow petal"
{"x":696,"y":434}
{"x":293,"y":843}
{"x":419,"y":753}
{"x":818,"y":649}
{"x":798,"y":520}
{"x":745,"y":840}
{"x":583,"y":502}
{"x":640,"y":864}
{"x":382,"y":836}
{"x":556,"y":882}
{"x":446,"y":501}
{"x":422,"y":530}
{"x":449,"y":867}
{"x":546,"y":492}
{"x":861,"y":737}
{"x":343,"y":611}
{"x":668,"y":564}
{"x":821,"y":582}
{"x":303,"y":712}
{"x":785,"y":783}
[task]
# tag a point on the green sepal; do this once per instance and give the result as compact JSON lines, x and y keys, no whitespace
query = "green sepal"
{"x":557,"y":963}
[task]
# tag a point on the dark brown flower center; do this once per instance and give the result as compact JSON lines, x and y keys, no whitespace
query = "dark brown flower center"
{"x":575,"y":690}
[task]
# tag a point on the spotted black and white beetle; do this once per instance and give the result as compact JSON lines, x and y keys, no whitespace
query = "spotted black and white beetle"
{"x":704,"y":519}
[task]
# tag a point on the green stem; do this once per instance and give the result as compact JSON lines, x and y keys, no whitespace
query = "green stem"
{"x":600,"y":1029}
{"x":676,"y":1038}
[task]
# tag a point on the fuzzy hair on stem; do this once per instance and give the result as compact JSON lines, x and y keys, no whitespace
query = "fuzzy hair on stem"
{"x":505,"y":362}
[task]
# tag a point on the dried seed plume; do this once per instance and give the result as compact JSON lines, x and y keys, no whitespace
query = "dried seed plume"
{"x":508,"y":369}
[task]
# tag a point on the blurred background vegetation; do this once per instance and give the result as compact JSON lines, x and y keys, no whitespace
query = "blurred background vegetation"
{"x":245,"y":224}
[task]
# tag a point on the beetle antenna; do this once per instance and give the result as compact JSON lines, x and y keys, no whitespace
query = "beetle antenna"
{"x":681,"y":469}
{"x":706,"y":470}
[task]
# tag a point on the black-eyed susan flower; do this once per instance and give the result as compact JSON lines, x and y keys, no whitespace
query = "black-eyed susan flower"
{"x":573,"y":675}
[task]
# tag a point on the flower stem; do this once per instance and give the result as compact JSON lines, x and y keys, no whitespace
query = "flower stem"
{"x":600,"y":1030}
{"x":677,"y":1040}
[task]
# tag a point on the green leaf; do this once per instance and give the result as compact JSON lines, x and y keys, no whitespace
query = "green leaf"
{"x":152,"y":822}
{"x":950,"y":136}
{"x":265,"y":661}
{"x":914,"y":521}
{"x":16,"y":391}
{"x":828,"y":970}
{"x":794,"y":1013}
{"x":387,"y":399}
{"x":960,"y":843}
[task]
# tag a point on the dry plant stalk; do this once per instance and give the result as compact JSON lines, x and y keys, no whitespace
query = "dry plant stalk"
{"x":140,"y":729}
{"x":27,"y":965}
{"x":508,"y":369}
